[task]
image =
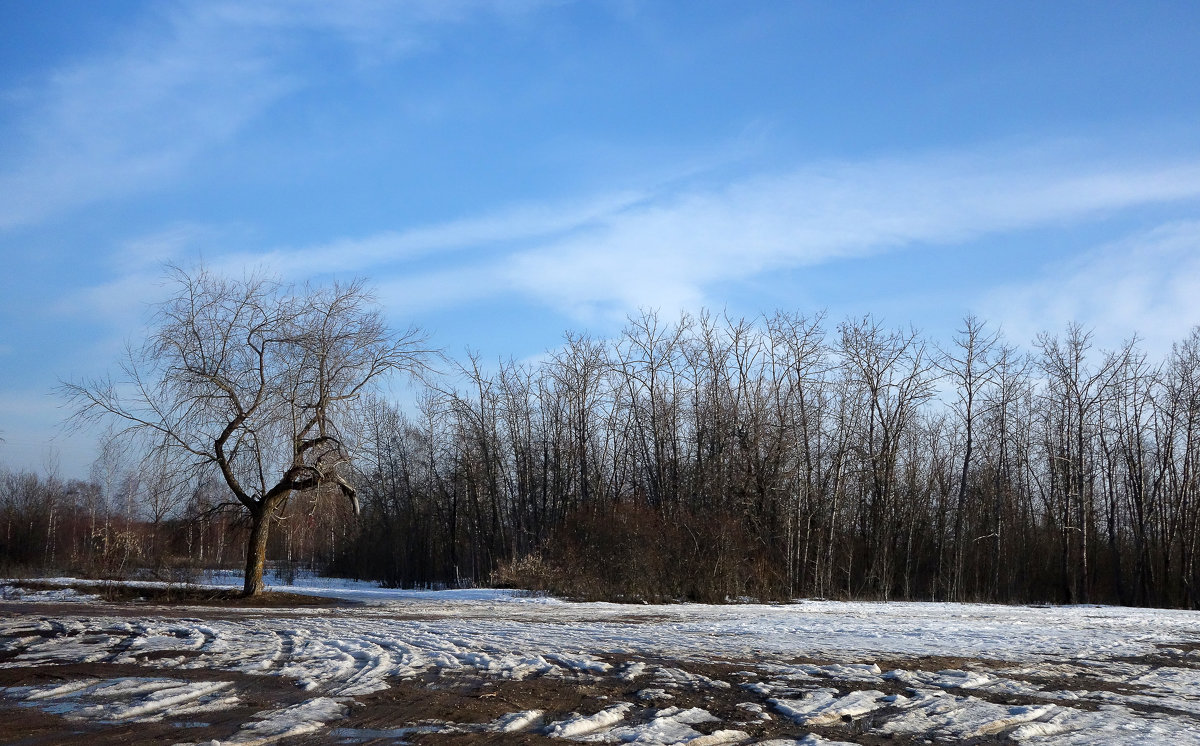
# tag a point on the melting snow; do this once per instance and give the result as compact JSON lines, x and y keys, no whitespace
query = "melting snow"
{"x":133,"y":699}
{"x":824,"y":706}
{"x":296,"y":720}
{"x":582,"y":724}
{"x":341,"y":654}
{"x":16,"y":593}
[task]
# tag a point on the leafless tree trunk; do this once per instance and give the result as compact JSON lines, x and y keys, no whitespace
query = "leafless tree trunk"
{"x":969,"y":367}
{"x":254,"y":380}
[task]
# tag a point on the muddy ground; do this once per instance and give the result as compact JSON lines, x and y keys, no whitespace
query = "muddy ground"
{"x":418,"y":709}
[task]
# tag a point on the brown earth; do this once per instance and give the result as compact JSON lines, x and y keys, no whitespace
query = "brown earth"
{"x":28,"y":725}
{"x":397,"y":714}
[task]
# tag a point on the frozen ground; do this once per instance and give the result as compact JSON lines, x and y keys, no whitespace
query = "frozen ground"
{"x":465,"y":666}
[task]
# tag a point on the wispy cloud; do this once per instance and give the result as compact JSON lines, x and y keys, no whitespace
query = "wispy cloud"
{"x":669,"y":246}
{"x":133,"y":119}
{"x":1148,"y":284}
{"x":136,"y":279}
{"x":179,"y":83}
{"x":497,"y":232}
{"x":673,"y":250}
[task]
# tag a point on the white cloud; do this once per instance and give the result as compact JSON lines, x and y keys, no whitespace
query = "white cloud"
{"x":137,"y":278}
{"x":670,"y":245}
{"x":669,"y":248}
{"x":496,"y":231}
{"x":118,"y":125}
{"x":179,"y":83}
{"x":1148,"y":284}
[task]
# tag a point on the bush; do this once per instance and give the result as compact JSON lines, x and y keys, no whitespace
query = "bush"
{"x":529,"y":572}
{"x":636,"y":553}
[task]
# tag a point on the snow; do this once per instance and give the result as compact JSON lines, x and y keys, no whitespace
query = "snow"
{"x":942,"y":715}
{"x":672,"y":726}
{"x":857,"y":661}
{"x":581,"y":724}
{"x":954,"y":679}
{"x":680,"y":679}
{"x":16,"y":593}
{"x":845,"y":632}
{"x":824,"y":706}
{"x":289,"y":722}
{"x":632,"y":670}
{"x":132,"y":699}
{"x":361,"y":591}
{"x":809,"y":740}
{"x":515,"y":722}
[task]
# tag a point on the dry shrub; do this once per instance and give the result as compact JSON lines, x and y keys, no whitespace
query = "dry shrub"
{"x":530,"y":572}
{"x":637,"y":553}
{"x":115,"y":552}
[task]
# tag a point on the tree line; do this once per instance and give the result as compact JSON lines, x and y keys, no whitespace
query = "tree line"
{"x":701,"y":457}
{"x":711,"y":458}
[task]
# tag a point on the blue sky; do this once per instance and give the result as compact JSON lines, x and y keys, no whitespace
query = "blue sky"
{"x":502,"y":172}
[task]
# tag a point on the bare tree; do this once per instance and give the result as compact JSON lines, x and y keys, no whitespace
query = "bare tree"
{"x":1075,"y":391}
{"x":255,"y":380}
{"x":577,"y":370}
{"x":970,"y":369}
{"x":892,"y":374}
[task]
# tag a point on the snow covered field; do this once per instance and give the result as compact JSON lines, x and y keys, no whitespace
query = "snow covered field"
{"x":506,"y":666}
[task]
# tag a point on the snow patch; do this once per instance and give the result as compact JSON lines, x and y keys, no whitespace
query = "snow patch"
{"x":59,"y":595}
{"x":584,"y":724}
{"x":632,"y":670}
{"x":288,"y":722}
{"x":517,"y":721}
{"x":128,"y":699}
{"x":673,"y":725}
{"x":942,"y":715}
{"x":824,"y":706}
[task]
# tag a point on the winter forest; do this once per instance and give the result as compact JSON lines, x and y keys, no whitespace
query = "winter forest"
{"x":711,"y":458}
